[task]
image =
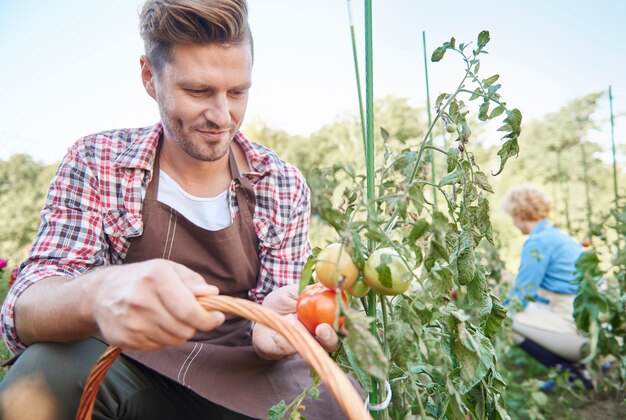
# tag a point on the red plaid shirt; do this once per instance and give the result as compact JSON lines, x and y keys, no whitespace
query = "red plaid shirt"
{"x":94,"y":206}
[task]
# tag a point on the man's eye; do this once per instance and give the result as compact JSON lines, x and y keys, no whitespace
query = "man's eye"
{"x":237,"y":93}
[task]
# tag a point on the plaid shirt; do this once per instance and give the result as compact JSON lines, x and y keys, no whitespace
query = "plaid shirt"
{"x":94,"y":206}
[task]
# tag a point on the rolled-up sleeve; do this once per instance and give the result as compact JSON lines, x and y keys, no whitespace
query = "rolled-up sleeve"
{"x":69,"y":241}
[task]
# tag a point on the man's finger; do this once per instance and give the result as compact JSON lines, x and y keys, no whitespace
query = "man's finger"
{"x":327,"y":337}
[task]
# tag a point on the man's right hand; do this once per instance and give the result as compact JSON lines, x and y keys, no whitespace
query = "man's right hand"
{"x":152,"y":304}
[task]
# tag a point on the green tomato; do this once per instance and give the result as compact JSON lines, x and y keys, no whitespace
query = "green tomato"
{"x":359,"y":289}
{"x":451,"y":128}
{"x":386,"y":273}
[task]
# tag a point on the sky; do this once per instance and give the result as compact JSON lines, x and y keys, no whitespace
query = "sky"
{"x":69,"y":68}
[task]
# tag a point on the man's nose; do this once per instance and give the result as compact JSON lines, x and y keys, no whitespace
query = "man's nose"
{"x":218,"y":111}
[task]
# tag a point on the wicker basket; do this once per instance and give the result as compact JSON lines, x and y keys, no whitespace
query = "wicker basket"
{"x":331,"y":375}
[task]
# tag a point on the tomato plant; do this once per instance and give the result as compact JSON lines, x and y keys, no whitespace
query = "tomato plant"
{"x":318,"y":305}
{"x":427,"y":325}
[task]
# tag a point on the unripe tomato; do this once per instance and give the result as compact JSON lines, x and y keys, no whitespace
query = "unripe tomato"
{"x":335,"y":268}
{"x":359,"y":289}
{"x":398,"y":279}
{"x":318,"y":305}
{"x":451,"y":128}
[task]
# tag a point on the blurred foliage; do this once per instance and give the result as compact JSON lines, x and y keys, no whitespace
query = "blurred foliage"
{"x":23,"y":187}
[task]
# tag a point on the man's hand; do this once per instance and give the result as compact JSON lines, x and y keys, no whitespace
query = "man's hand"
{"x":152,"y":304}
{"x":272,"y":346}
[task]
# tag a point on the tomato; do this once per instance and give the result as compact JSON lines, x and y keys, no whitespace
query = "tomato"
{"x":451,"y":128}
{"x":397,"y":278}
{"x":586,"y":242}
{"x":318,"y":305}
{"x":359,"y":289}
{"x":335,"y":268}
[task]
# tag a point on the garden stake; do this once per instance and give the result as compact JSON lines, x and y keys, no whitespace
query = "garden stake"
{"x":369,"y":164}
{"x":430,"y":122}
{"x":358,"y":77}
{"x":614,"y":163}
{"x":587,"y":197}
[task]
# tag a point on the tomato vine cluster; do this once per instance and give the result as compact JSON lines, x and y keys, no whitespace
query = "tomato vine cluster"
{"x":384,"y":272}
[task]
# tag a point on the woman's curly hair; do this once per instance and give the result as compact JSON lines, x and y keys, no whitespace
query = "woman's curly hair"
{"x":526,"y":202}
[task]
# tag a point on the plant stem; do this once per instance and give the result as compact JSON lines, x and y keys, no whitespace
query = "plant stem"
{"x":430,"y":121}
{"x":394,"y":216}
{"x":481,"y":95}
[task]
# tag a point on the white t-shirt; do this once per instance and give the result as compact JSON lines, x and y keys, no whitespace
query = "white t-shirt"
{"x":210,"y":213}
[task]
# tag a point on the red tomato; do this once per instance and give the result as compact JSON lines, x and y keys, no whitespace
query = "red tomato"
{"x":318,"y":305}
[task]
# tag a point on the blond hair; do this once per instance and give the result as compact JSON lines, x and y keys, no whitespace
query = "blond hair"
{"x":526,"y":202}
{"x":165,"y":23}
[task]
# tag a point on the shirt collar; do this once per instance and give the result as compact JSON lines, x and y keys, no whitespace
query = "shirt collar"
{"x":142,"y":150}
{"x":544,"y":224}
{"x":261,"y":161}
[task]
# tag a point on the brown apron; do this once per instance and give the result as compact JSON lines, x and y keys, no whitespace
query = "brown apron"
{"x":221,"y":365}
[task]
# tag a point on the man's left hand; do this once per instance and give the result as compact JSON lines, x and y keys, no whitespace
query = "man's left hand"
{"x":271,"y":345}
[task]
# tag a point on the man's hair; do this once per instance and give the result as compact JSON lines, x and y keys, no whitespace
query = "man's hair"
{"x":165,"y":23}
{"x":526,"y":202}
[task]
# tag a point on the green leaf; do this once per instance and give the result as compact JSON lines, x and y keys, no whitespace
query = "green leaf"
{"x":451,"y":178}
{"x":481,"y":180}
{"x":418,"y":230}
{"x":514,"y":119}
{"x":490,"y":80}
{"x":483,"y":39}
{"x":277,"y":412}
{"x":417,"y":196}
{"x":475,"y":354}
{"x":483,"y":111}
{"x":365,"y":348}
{"x":306,"y":277}
{"x":477,"y":93}
{"x":384,"y":134}
{"x":453,"y":110}
{"x":365,"y":380}
{"x":438,"y":54}
{"x":509,"y":149}
{"x":440,"y":99}
{"x":452,"y":158}
{"x":497,"y":111}
{"x":496,"y":317}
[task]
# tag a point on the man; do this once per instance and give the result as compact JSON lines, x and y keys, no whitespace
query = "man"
{"x":138,"y":223}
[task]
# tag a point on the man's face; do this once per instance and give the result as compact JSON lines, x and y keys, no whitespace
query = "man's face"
{"x":202,"y":96}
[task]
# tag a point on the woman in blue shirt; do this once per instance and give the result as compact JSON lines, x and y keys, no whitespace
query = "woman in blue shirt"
{"x":544,"y":290}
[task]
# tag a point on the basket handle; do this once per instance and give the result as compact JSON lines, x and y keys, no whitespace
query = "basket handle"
{"x":331,"y":375}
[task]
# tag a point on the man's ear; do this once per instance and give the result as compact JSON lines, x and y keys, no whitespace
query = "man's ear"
{"x":147,"y":76}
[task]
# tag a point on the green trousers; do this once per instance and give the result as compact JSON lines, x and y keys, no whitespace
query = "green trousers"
{"x":46,"y":383}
